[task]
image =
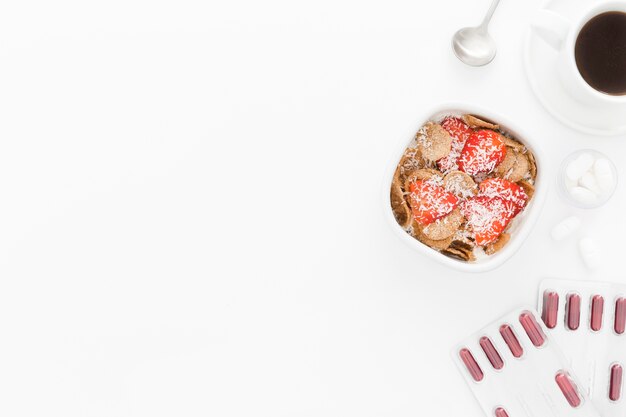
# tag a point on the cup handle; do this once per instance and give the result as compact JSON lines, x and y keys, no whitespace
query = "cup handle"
{"x":551,"y":27}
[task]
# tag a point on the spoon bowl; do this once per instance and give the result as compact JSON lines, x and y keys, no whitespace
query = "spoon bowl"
{"x":474,"y":46}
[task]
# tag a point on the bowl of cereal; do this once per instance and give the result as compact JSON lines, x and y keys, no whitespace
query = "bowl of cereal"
{"x":465,"y":187}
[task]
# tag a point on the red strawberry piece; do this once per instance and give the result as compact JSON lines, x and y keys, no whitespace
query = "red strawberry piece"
{"x":460,"y":132}
{"x":507,"y":190}
{"x":456,"y":127}
{"x":430,"y":202}
{"x":482,"y":152}
{"x":487,"y":217}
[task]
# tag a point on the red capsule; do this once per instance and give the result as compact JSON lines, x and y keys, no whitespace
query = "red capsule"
{"x":511,"y":340}
{"x":492,"y":354}
{"x":533,"y":330}
{"x":501,"y":412}
{"x":471,"y":364}
{"x":597,"y":309}
{"x":550,"y":309}
{"x":568,"y":389}
{"x":620,"y":315}
{"x":573,"y":311}
{"x":615,"y":386}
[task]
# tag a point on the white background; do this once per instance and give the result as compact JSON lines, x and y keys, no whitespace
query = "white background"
{"x":190,"y":217}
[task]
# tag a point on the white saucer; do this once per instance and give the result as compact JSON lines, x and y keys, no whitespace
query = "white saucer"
{"x":540,"y":64}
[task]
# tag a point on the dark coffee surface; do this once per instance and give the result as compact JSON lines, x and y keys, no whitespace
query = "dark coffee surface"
{"x":601,"y":53}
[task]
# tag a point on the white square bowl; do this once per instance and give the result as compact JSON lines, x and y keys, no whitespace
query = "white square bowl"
{"x":520,"y":226}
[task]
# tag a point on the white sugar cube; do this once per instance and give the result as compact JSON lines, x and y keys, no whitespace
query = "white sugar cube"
{"x":583,"y":195}
{"x":604,"y":175}
{"x":589,"y":182}
{"x":579,"y":166}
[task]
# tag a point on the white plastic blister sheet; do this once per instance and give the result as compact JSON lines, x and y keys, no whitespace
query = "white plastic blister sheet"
{"x":587,"y":320}
{"x":514,"y":368}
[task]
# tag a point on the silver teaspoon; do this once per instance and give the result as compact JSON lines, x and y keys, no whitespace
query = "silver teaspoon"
{"x":473,"y":45}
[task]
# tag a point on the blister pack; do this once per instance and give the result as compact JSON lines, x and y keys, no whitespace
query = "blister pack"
{"x":587,"y":319}
{"x":514,"y":368}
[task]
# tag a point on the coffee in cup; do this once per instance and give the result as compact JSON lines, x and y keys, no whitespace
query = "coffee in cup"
{"x":600,"y":52}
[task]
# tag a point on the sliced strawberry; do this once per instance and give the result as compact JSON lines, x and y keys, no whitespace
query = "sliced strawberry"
{"x":456,"y":127}
{"x":487,"y":217}
{"x":460,"y":132}
{"x":482,"y":152}
{"x":430,"y":202}
{"x":507,"y":190}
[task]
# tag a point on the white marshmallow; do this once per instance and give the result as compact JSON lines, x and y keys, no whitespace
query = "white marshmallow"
{"x":583,"y":195}
{"x":590,"y":252}
{"x":579,"y":166}
{"x":589,"y":182}
{"x":565,"y":228}
{"x":604,"y":175}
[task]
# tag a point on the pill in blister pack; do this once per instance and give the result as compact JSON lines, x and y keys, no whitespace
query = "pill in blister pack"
{"x":615,"y":382}
{"x":515,"y":369}
{"x":588,"y":319}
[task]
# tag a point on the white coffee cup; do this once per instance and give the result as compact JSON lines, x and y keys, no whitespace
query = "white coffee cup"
{"x":562,"y":33}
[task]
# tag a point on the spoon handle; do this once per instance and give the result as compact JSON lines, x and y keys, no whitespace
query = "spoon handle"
{"x":487,"y":18}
